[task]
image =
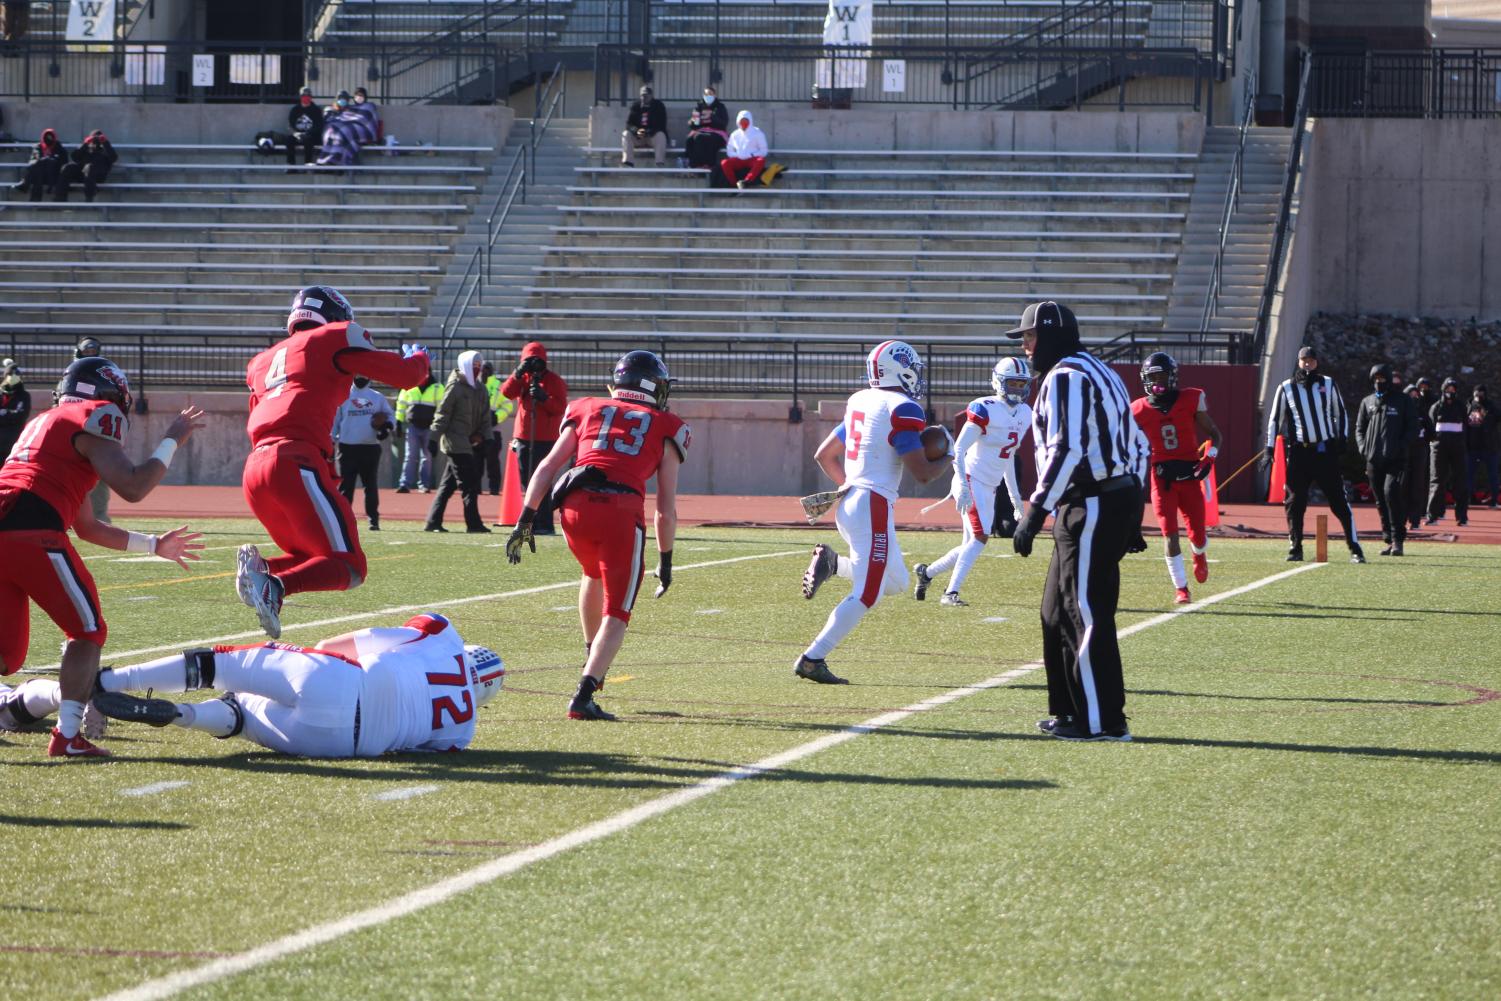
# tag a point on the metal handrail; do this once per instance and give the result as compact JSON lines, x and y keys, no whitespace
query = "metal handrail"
{"x":496,"y":220}
{"x":1284,"y":212}
{"x":560,"y":78}
{"x":447,"y":329}
{"x":1232,"y":204}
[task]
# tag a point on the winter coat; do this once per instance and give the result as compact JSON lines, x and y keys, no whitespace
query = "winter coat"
{"x":464,"y":412}
{"x":747,"y":143}
{"x":1385,"y":426}
{"x":653,"y":112}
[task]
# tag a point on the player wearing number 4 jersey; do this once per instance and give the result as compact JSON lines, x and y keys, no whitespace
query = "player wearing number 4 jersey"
{"x":296,"y":387}
{"x":1173,"y":419}
{"x":44,"y":488}
{"x":413,"y":687}
{"x":616,"y":444}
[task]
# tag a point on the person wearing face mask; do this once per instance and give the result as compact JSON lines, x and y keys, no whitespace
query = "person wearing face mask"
{"x":1385,"y":427}
{"x":362,"y":422}
{"x":1420,"y":394}
{"x":745,"y":153}
{"x":1483,"y":441}
{"x":305,"y":122}
{"x":462,"y":427}
{"x":1448,"y":457}
{"x":15,"y":406}
{"x":346,"y":128}
{"x":364,"y":106}
{"x":645,"y":127}
{"x":41,"y":171}
{"x":708,"y":131}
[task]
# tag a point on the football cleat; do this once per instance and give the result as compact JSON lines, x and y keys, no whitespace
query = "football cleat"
{"x":1357,"y":555}
{"x":1072,"y":731}
{"x":825,"y":564}
{"x":1047,"y":725}
{"x":95,"y":723}
{"x":1201,"y":567}
{"x":816,"y":670}
{"x":247,"y":561}
{"x":134,"y":709}
{"x":589,"y":711}
{"x":920,"y":589}
{"x":266,"y":595}
{"x":952,"y":599}
{"x":76,"y":747}
{"x":1181,"y":597}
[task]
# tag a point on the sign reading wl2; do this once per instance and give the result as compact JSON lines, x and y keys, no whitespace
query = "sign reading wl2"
{"x":91,"y":20}
{"x":203,"y":69}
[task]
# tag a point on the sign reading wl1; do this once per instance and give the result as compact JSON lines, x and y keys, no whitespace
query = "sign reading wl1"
{"x":203,"y":70}
{"x":91,"y":20}
{"x":894,"y":77}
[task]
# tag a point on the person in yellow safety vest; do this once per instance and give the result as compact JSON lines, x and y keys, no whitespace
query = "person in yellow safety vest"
{"x":501,"y":410}
{"x":415,"y":410}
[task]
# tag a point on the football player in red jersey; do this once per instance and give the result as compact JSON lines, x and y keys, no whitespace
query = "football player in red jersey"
{"x":296,"y":386}
{"x":1173,"y":420}
{"x":617,"y":443}
{"x":44,"y":490}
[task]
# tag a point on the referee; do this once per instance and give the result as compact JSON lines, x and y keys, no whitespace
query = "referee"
{"x":1091,"y":464}
{"x":1310,"y":415}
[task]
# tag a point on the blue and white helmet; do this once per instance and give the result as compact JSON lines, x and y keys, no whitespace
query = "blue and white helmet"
{"x":896,"y":365}
{"x":1012,"y":380}
{"x":487,"y":672}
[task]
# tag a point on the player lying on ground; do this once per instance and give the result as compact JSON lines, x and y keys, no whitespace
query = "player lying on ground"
{"x":985,"y":456}
{"x":413,"y":687}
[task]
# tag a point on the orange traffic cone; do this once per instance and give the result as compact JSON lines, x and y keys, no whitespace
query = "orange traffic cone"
{"x":1275,"y":491}
{"x":510,"y":491}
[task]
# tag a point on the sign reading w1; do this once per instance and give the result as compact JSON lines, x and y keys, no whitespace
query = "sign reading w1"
{"x":91,"y":20}
{"x":847,"y":30}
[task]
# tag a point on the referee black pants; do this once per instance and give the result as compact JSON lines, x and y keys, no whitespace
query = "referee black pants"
{"x":1079,"y":645}
{"x":1306,"y":465}
{"x":361,"y":462}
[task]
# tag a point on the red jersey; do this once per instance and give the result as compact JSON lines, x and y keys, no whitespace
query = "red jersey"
{"x":624,"y":439}
{"x":1174,"y":434}
{"x":45,"y":462}
{"x":297,"y":384}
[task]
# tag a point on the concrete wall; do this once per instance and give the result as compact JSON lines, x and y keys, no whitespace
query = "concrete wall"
{"x":800,"y":127}
{"x":238,"y":123}
{"x":1298,"y":283}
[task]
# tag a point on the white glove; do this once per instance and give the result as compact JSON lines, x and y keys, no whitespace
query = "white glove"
{"x":962,"y":499}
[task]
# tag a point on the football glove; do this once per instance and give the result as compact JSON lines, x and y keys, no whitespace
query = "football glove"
{"x":521,"y":534}
{"x":1027,"y":529}
{"x":663,"y":573}
{"x":962,"y":500}
{"x":1006,"y":528}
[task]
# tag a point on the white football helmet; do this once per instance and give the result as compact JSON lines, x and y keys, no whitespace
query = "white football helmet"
{"x":896,"y":365}
{"x":1012,"y":380}
{"x":487,"y":672}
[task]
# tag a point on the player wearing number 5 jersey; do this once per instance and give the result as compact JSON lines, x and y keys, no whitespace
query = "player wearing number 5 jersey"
{"x":616,"y":444}
{"x":413,"y":687}
{"x":44,"y":487}
{"x":1173,"y":420}
{"x":994,"y":427}
{"x":880,"y":436}
{"x":296,"y":387}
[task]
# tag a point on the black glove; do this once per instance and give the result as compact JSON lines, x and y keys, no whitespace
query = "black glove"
{"x":1137,"y":542}
{"x":663,"y":572}
{"x":1264,"y":461}
{"x":432,"y":448}
{"x":522,"y":533}
{"x":520,"y":371}
{"x":538,"y":394}
{"x":1007,"y":528}
{"x":1027,"y":529}
{"x":383,"y":433}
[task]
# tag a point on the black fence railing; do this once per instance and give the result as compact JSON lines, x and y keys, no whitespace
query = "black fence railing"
{"x":1438,"y":83}
{"x":1284,"y":210}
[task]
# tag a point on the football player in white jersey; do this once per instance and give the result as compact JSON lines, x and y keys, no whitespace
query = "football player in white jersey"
{"x":984,"y":457}
{"x":881,"y":435}
{"x":413,"y":687}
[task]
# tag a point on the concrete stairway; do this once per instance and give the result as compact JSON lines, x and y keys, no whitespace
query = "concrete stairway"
{"x":1251,"y":229}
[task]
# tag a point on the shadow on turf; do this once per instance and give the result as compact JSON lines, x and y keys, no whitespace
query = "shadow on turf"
{"x":1416,"y":754}
{"x":91,"y":822}
{"x":1343,"y":700}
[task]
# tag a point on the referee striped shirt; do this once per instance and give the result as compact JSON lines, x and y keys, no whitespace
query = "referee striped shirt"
{"x":1084,"y":430}
{"x":1307,"y":412}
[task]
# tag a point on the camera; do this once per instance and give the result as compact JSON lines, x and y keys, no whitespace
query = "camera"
{"x":534,"y":365}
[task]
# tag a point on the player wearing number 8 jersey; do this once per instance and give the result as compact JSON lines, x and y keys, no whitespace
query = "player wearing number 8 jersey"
{"x":296,"y":387}
{"x":616,"y":444}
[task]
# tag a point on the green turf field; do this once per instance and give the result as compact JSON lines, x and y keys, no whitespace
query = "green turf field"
{"x":1311,"y":808}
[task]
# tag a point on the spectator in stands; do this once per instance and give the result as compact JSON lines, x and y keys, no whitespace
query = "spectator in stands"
{"x":745,"y":153}
{"x":541,"y":396}
{"x":1448,"y":458}
{"x":346,"y":128}
{"x":462,"y":427}
{"x":361,"y":423}
{"x":708,"y":131}
{"x":305,"y":122}
{"x":500,"y":411}
{"x":645,"y":126}
{"x":364,"y":106}
{"x":1483,"y":440}
{"x":47,"y":159}
{"x":90,"y":164}
{"x":15,"y":406}
{"x":1420,"y":392}
{"x":415,"y":410}
{"x":15,"y":19}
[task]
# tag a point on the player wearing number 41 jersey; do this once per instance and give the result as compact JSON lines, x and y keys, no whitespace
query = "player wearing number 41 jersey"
{"x":1173,"y":419}
{"x":413,"y":687}
{"x":296,"y":387}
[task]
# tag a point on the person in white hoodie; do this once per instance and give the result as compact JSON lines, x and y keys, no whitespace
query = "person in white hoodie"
{"x":462,"y":425}
{"x":745,"y":153}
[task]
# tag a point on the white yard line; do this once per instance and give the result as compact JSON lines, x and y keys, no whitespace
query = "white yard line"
{"x":437,"y":893}
{"x":152,"y":789}
{"x":405,"y":792}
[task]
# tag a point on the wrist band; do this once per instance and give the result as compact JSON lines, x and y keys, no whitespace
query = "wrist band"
{"x":138,"y":542}
{"x":1211,"y":452}
{"x":165,"y":451}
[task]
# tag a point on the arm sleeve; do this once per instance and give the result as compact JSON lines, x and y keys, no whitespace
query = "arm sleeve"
{"x":1337,"y":410}
{"x":969,"y":436}
{"x":512,"y":387}
{"x":1060,"y":448}
{"x":1274,"y":417}
{"x":977,"y":413}
{"x":1361,"y":423}
{"x":383,"y":366}
{"x":444,"y":416}
{"x":907,"y":422}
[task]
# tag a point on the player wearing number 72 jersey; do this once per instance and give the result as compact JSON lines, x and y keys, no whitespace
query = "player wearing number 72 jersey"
{"x":413,"y":687}
{"x":296,"y":387}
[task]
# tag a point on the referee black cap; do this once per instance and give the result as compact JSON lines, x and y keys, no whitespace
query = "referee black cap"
{"x":1047,"y":317}
{"x":1307,"y":351}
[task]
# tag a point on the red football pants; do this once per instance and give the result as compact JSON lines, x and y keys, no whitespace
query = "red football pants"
{"x":1169,"y":497}
{"x":289,"y":487}
{"x":42,"y":566}
{"x":607,"y":535}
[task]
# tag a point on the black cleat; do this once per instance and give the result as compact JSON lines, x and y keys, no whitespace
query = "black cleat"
{"x":920,"y":590}
{"x":1047,"y":725}
{"x":134,"y":709}
{"x":1072,"y":731}
{"x":816,"y":670}
{"x":589,"y":711}
{"x":1295,"y":554}
{"x":1357,"y":555}
{"x":825,"y":564}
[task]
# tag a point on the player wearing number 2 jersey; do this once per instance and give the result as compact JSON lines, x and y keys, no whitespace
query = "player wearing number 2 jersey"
{"x":296,"y":387}
{"x":413,"y":687}
{"x":616,"y":444}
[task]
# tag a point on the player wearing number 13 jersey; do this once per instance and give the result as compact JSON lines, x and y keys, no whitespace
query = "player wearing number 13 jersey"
{"x":296,"y":387}
{"x":616,"y":444}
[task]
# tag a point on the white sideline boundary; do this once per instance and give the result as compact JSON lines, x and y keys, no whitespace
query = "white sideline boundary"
{"x":165,"y":987}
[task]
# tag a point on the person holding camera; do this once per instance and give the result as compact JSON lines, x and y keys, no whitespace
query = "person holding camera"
{"x":90,"y":164}
{"x":362,"y":422}
{"x":645,"y":126}
{"x":541,"y":396}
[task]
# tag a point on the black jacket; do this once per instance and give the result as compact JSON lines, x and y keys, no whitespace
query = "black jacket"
{"x":710,"y":116}
{"x":100,"y":154}
{"x":655,"y":112}
{"x":1385,"y":426}
{"x":15,"y":408}
{"x":302,"y":120}
{"x":41,"y":152}
{"x":1453,"y":411}
{"x":1482,"y":434}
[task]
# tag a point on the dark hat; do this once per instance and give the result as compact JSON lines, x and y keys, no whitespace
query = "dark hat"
{"x":1046,"y":316}
{"x":1422,"y":380}
{"x":305,"y":92}
{"x":645,"y":90}
{"x":1307,"y":351}
{"x":361,"y":91}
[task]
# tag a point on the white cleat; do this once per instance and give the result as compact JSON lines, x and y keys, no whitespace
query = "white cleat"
{"x":266,"y":593}
{"x":952,"y":599}
{"x":248,"y":561}
{"x":95,"y":723}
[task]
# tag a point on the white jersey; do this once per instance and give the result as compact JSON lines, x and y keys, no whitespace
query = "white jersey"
{"x":880,"y":426}
{"x":990,"y":456}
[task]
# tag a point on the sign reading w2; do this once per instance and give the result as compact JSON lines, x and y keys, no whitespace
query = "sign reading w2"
{"x":91,"y":20}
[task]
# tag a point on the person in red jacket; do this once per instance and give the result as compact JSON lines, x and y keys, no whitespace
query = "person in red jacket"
{"x":44,"y":490}
{"x":296,"y":386}
{"x":541,"y":396}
